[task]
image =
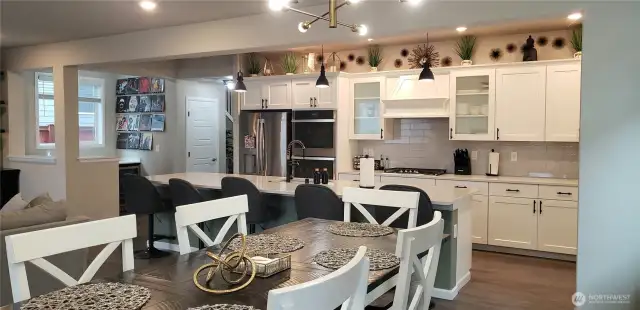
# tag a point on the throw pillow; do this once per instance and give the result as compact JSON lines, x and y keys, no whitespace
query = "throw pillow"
{"x":15,"y":203}
{"x":37,"y":215}
{"x":42,"y":199}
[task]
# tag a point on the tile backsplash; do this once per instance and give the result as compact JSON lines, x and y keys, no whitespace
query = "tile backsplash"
{"x":424,"y":143}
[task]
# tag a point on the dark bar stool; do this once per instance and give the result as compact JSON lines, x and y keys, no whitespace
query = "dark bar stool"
{"x":318,"y":201}
{"x":184,"y":193}
{"x":234,"y":186}
{"x":142,"y":197}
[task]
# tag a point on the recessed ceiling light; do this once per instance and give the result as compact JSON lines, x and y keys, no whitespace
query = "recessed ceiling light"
{"x":575,"y":16}
{"x":461,"y":29}
{"x":369,"y":39}
{"x":148,"y":5}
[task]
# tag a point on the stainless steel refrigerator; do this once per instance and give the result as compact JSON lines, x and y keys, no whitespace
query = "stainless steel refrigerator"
{"x":263,"y":142}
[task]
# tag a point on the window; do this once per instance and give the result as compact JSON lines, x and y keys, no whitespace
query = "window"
{"x":90,"y":111}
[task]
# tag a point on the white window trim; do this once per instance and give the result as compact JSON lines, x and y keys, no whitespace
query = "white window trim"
{"x":99,"y":116}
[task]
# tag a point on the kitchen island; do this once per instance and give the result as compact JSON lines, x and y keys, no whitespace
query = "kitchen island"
{"x":454,"y":203}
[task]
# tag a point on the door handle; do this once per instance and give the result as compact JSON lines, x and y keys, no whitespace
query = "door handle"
{"x":534,"y":207}
{"x":214,"y":159}
{"x":540,"y":206}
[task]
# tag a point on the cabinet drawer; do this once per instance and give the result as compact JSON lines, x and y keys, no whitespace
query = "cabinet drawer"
{"x":407,"y":181}
{"x":481,"y":187}
{"x":348,"y":177}
{"x":513,"y":190}
{"x":559,"y":192}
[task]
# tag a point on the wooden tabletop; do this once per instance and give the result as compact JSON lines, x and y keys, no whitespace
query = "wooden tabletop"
{"x":171,"y":285}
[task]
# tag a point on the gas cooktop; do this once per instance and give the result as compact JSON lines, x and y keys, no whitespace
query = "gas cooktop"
{"x":416,"y":171}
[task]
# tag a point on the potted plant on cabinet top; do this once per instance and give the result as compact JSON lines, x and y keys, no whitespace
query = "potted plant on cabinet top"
{"x":253,"y":64}
{"x":374,"y":54}
{"x":576,"y":42}
{"x":289,"y":64}
{"x":464,"y":48}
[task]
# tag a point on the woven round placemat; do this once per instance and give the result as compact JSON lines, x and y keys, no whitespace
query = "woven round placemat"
{"x":269,"y":244}
{"x":94,"y":296}
{"x":338,"y":257}
{"x":223,"y":307}
{"x":351,"y":229}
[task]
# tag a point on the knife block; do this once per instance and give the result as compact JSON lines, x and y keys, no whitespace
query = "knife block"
{"x":462,"y":166}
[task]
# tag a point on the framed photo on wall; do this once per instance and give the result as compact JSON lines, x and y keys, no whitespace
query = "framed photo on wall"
{"x":133,"y":142}
{"x":122,"y":140}
{"x":145,"y":122}
{"x":144,"y":104}
{"x":132,"y":86}
{"x":133,"y":122}
{"x":157,"y":122}
{"x":144,"y":85}
{"x":146,"y":141}
{"x":122,"y":104}
{"x":157,"y":103}
{"x":157,"y":85}
{"x":121,"y":86}
{"x":122,"y":122}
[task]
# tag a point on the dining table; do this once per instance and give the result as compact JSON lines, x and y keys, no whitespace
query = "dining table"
{"x":170,"y":280}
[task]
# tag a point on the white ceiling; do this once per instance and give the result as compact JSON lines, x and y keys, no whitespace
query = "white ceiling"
{"x":33,"y":22}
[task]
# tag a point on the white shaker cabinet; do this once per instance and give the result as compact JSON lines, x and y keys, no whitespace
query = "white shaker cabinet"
{"x":480,"y":213}
{"x":367,"y":122}
{"x":252,"y":99}
{"x":520,"y":103}
{"x":563,"y":103}
{"x":558,"y":226}
{"x":513,"y":222}
{"x":263,"y":95}
{"x":472,"y":104}
{"x":305,"y":95}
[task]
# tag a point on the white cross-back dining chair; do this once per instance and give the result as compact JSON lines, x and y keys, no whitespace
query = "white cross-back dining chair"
{"x":404,"y":201}
{"x":346,"y":286}
{"x":34,"y":246}
{"x":411,"y":243}
{"x":188,"y":216}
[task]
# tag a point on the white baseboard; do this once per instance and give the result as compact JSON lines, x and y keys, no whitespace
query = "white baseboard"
{"x":452,"y":293}
{"x":160,"y":245}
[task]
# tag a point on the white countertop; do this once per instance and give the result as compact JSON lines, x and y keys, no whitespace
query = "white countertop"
{"x":445,"y":197}
{"x":129,"y":160}
{"x":481,"y":178}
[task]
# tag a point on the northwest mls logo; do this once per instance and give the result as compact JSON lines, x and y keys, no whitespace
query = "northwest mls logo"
{"x":578,"y":299}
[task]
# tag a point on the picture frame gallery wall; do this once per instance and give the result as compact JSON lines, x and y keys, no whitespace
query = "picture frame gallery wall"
{"x":140,"y":111}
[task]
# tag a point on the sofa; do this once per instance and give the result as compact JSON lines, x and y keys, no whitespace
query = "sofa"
{"x":44,"y":214}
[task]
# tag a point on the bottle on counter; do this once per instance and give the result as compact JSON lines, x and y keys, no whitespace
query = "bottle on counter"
{"x":325,"y":176}
{"x":317,"y":178}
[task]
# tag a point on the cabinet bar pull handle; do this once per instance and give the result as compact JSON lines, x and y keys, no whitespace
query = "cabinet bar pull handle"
{"x":512,"y":190}
{"x":263,"y":103}
{"x":450,"y":133}
{"x":310,"y":102}
{"x":266,"y":103}
{"x":497,"y":133}
{"x":315,"y":102}
{"x":561,"y":193}
{"x":534,"y":207}
{"x":458,"y":186}
{"x":540,"y":206}
{"x":381,"y":133}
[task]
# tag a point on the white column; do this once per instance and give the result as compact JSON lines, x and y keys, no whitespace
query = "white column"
{"x":609,"y":211}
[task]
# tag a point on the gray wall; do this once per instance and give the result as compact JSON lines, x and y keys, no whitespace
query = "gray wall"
{"x":424,"y":143}
{"x":609,"y":212}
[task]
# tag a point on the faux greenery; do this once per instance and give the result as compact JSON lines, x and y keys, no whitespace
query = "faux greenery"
{"x":253,"y":64}
{"x":374,"y":54}
{"x":289,"y":63}
{"x":576,"y":39}
{"x":464,"y":47}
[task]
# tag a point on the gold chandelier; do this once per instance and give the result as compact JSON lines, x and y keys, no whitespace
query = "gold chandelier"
{"x":331,"y":16}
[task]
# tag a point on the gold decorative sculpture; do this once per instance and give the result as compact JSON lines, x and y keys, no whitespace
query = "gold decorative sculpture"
{"x":227,"y":264}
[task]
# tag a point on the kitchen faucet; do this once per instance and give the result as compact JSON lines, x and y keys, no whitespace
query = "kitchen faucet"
{"x":293,"y":163}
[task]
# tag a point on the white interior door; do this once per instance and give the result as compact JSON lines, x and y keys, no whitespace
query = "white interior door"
{"x":202,"y":134}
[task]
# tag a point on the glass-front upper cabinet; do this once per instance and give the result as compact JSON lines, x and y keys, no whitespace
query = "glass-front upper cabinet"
{"x":472,"y":104}
{"x":367,"y":122}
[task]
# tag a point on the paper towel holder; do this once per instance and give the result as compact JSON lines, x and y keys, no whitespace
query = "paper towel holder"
{"x":489,"y":174}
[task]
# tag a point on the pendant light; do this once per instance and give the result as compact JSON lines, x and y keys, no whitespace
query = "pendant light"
{"x":240,"y":87}
{"x":322,"y":81}
{"x":426,"y":74}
